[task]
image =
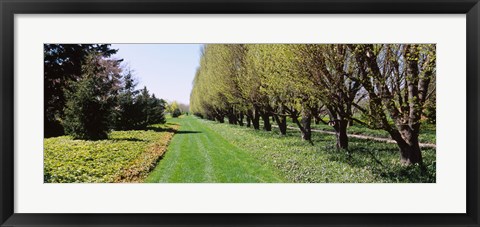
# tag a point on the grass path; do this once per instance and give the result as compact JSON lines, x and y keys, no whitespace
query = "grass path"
{"x":199,"y":154}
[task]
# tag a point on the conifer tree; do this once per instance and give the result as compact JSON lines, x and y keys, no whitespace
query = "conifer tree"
{"x":89,"y":105}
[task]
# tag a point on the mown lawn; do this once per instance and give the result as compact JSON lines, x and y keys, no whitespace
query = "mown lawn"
{"x":210,"y":152}
{"x":298,"y":161}
{"x":127,"y":156}
{"x":199,"y":154}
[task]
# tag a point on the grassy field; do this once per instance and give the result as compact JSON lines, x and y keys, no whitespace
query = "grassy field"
{"x":199,"y":154}
{"x":212,"y":152}
{"x":209,"y":152}
{"x":127,"y":156}
{"x":298,"y":161}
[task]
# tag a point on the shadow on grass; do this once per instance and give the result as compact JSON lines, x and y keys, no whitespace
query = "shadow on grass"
{"x":411,"y":173}
{"x":378,"y":161}
{"x":157,"y":129}
{"x":187,"y":132}
{"x":378,"y":158}
{"x":127,"y":139}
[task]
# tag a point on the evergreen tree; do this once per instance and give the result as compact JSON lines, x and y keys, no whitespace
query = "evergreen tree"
{"x":142,"y":104}
{"x":156,"y":110}
{"x":127,"y":111}
{"x":63,"y":67}
{"x":89,"y":105}
{"x":136,"y":108}
{"x":176,"y":113}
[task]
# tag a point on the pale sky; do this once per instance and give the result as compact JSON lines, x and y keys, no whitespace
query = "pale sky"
{"x":166,"y":69}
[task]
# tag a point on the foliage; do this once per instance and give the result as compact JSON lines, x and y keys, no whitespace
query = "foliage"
{"x":136,"y":108}
{"x":172,"y":106}
{"x":155,"y":110}
{"x":397,"y":78}
{"x":127,"y":112}
{"x":87,"y":93}
{"x":89,"y":106}
{"x":176,"y":112}
{"x":176,"y":109}
{"x":62,"y":67}
{"x":391,"y":85}
{"x":126,"y":156}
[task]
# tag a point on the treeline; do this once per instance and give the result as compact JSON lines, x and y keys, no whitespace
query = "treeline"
{"x":86,"y":93}
{"x":176,"y":109}
{"x":382,"y":86}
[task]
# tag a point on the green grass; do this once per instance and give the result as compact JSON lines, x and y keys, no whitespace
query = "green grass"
{"x":199,"y":154}
{"x":126,"y":156}
{"x":298,"y":161}
{"x":206,"y":151}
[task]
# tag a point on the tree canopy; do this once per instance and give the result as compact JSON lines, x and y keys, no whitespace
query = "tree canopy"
{"x":87,"y":93}
{"x":382,"y":86}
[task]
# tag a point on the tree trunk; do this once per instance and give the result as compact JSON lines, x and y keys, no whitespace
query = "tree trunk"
{"x":240,"y":119}
{"x":249,"y":119}
{"x":232,"y":119}
{"x":350,"y":114}
{"x":266,"y":122}
{"x":220,"y":118}
{"x":282,"y":123}
{"x":306,"y":124}
{"x":340,"y":127}
{"x":411,"y":154}
{"x":256,"y":120}
{"x":407,"y":141}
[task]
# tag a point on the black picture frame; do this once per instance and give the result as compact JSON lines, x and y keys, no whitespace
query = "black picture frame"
{"x":9,"y":8}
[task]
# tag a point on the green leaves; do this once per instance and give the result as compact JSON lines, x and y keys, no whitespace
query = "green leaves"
{"x":383,"y":81}
{"x":125,"y":156}
{"x":87,"y":111}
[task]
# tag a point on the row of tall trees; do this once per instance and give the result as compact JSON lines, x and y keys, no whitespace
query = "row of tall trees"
{"x":388,"y":85}
{"x":87,"y":93}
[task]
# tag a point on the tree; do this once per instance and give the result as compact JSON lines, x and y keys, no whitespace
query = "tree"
{"x":252,"y":86}
{"x":249,"y":84}
{"x":128,"y":112}
{"x":397,"y":78}
{"x":62,"y":68}
{"x":136,"y":109}
{"x":156,"y":110}
{"x":391,"y":85}
{"x":220,"y":68}
{"x":214,"y":93}
{"x":176,"y":112}
{"x":143,"y":104}
{"x":286,"y":86}
{"x":89,"y":105}
{"x":330,"y":68}
{"x":172,"y":106}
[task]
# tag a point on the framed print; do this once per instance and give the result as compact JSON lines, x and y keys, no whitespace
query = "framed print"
{"x":199,"y":113}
